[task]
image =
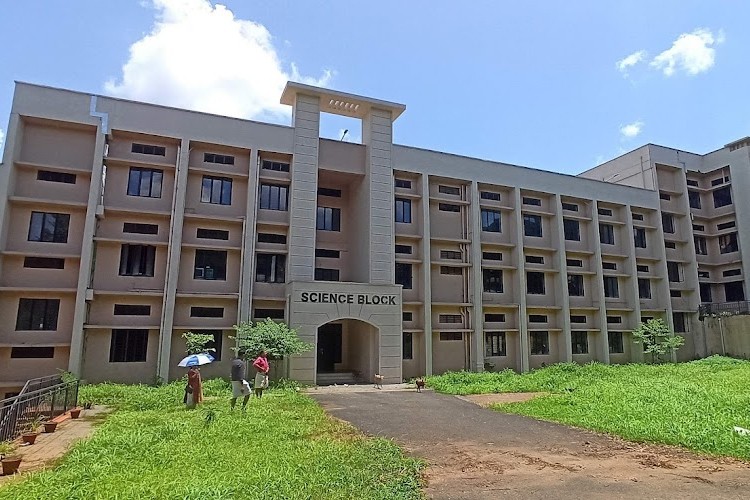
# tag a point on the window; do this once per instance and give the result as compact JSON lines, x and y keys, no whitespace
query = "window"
{"x":675,"y":293}
{"x":611,"y":288}
{"x":575,"y":285}
{"x":273,"y":197}
{"x":717,"y":182}
{"x":489,"y":195}
{"x":491,"y":221}
{"x":46,"y":175}
{"x":330,"y":192}
{"x":704,"y":274}
{"x":492,"y":256}
{"x":492,"y":280}
{"x":570,"y":206}
{"x":494,"y":318}
{"x":451,"y":270}
{"x":574,"y":262}
{"x":637,"y":216}
{"x":695,"y":199}
{"x":407,"y":316}
{"x":580,"y":341}
{"x":137,"y":228}
{"x":734,"y":292}
{"x":705,"y":289}
{"x":408,"y":350}
{"x":328,"y":219}
{"x":132,"y":310}
{"x":452,"y":190}
{"x":451,"y":336}
{"x":680,"y":325}
{"x":260,"y":313}
{"x":670,"y":244}
{"x":216,"y":190}
{"x":644,"y":288}
{"x":145,"y":182}
{"x":615,"y":342}
{"x":577,"y":318}
{"x":539,"y":343}
{"x":402,"y":183}
{"x":450,"y":254}
{"x":532,"y":201}
{"x":614,"y":320}
{"x":722,"y":197}
{"x":137,"y":260}
{"x":43,"y":263}
{"x":403,"y":210}
{"x":272,"y":238}
{"x":641,"y":268}
{"x":148,"y":149}
{"x":699,"y":227}
{"x":270,"y":268}
{"x":607,"y":234}
{"x":212,"y":234}
{"x":667,"y":223}
{"x":674,"y":273}
{"x":609,"y":266}
{"x":700,"y":245}
{"x":731,"y":272}
{"x":532,"y":225}
{"x":534,"y":259}
{"x":217,"y":158}
{"x":535,"y":283}
{"x":206,"y":312}
{"x":572,"y":229}
{"x":537,"y":318}
{"x":210,"y":265}
{"x":728,"y":243}
{"x":32,"y":352}
{"x":49,"y":227}
{"x":37,"y":314}
{"x":494,"y":344}
{"x":725,"y":225}
{"x":448,"y":207}
{"x":128,"y":346}
{"x":450,"y":318}
{"x":639,"y":236}
{"x":664,"y":196}
{"x":691,"y":182}
{"x":325,"y":274}
{"x":403,"y":275}
{"x":604,"y":211}
{"x":276,"y":166}
{"x":403,"y":249}
{"x":327,"y":254}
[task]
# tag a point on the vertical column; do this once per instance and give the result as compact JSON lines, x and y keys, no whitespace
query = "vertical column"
{"x":248,"y":241}
{"x":173,"y":260}
{"x":518,"y":257}
{"x":75,"y":360}
{"x":475,"y":235}
{"x":690,"y":268}
{"x":663,"y":289}
{"x":636,"y":349}
{"x":304,"y":188}
{"x":377,"y":135}
{"x":563,"y":297}
{"x":426,"y":274}
{"x":603,"y":345}
{"x":7,"y":174}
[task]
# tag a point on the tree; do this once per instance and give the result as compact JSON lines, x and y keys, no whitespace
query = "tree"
{"x":657,"y":339}
{"x":195,"y":343}
{"x":277,"y":339}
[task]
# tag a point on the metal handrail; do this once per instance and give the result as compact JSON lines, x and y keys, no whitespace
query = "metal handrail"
{"x":728,"y":308}
{"x":30,"y":385}
{"x":17,"y":412}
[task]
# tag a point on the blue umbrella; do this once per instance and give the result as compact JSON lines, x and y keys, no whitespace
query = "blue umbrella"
{"x":196,"y":359}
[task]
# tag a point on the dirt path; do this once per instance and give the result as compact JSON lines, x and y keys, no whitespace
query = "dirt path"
{"x":476,"y":453}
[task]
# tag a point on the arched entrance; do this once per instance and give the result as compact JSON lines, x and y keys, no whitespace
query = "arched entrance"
{"x":347,"y":352}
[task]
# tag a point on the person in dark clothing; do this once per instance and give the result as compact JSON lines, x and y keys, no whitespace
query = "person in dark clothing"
{"x":240,"y":386}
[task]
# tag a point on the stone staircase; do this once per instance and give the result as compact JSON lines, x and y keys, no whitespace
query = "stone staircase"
{"x":338,"y":378}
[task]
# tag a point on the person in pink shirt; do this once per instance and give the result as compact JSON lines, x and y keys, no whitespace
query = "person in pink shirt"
{"x":261,"y":373}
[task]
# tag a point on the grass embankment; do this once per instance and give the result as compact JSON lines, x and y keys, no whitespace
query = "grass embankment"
{"x":695,"y":405}
{"x":283,"y":447}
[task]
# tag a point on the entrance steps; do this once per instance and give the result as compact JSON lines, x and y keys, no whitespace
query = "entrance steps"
{"x":338,"y":378}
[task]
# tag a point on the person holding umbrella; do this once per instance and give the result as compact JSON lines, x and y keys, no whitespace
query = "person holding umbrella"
{"x":194,"y":387}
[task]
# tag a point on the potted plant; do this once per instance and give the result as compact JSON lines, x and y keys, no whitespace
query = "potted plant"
{"x":75,"y":413}
{"x":32,"y":431}
{"x":9,"y":461}
{"x":50,"y":426}
{"x":87,"y":405}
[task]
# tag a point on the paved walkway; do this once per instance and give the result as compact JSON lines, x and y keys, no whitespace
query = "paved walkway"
{"x":50,"y":447}
{"x":476,"y":453}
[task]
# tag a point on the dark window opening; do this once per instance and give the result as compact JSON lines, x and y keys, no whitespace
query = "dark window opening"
{"x":273,"y":197}
{"x":575,"y":285}
{"x":403,"y":275}
{"x":492,"y":280}
{"x":494,"y":318}
{"x":145,"y":182}
{"x":615,"y":343}
{"x":611,"y":287}
{"x":644,"y":288}
{"x":535,"y":283}
{"x":328,"y":219}
{"x":217,"y":158}
{"x":531,"y":201}
{"x":494,"y":344}
{"x":532,"y":225}
{"x":212,"y":234}
{"x":32,"y":352}
{"x":128,"y":346}
{"x":216,"y":190}
{"x":210,"y":265}
{"x":137,"y":260}
{"x":43,"y":263}
{"x":580,"y":342}
{"x":402,"y":183}
{"x":272,"y":238}
{"x":148,"y":149}
{"x":534,"y":259}
{"x":276,"y":166}
{"x":539,"y":343}
{"x":607,"y":234}
{"x":261,"y":313}
{"x":138,"y":228}
{"x":37,"y":314}
{"x":403,"y":210}
{"x":330,"y":192}
{"x":206,"y":312}
{"x":408,"y":350}
{"x":491,"y":221}
{"x":132,"y":310}
{"x":49,"y":227}
{"x":403,"y":249}
{"x":270,"y":268}
{"x":572,"y":229}
{"x":325,"y":274}
{"x":62,"y":177}
{"x":489,"y":195}
{"x":492,"y":255}
{"x":722,"y":197}
{"x":448,"y":207}
{"x":451,"y":190}
{"x":328,"y":254}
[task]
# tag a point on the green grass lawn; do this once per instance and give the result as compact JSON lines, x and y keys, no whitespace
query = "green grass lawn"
{"x":283,"y":447}
{"x":695,"y":405}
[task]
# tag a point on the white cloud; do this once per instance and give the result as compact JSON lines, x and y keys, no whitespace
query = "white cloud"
{"x":692,"y":52}
{"x":199,"y":56}
{"x":631,"y":130}
{"x":630,"y":60}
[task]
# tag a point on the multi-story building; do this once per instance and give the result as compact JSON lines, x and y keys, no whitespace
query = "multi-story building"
{"x":126,"y":224}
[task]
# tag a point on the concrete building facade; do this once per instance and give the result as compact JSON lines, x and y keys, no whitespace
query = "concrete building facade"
{"x":125,"y":224}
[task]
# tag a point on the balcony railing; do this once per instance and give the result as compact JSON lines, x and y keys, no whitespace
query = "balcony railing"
{"x":44,"y":403}
{"x":724,"y":308}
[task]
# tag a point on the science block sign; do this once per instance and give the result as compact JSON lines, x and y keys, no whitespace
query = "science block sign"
{"x":370,"y":299}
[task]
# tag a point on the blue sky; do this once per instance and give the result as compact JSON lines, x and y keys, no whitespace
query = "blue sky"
{"x":552,"y":85}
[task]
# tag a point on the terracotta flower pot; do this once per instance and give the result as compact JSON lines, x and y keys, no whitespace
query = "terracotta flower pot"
{"x":75,"y":413}
{"x":50,"y":427}
{"x":10,"y":465}
{"x":29,"y":438}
